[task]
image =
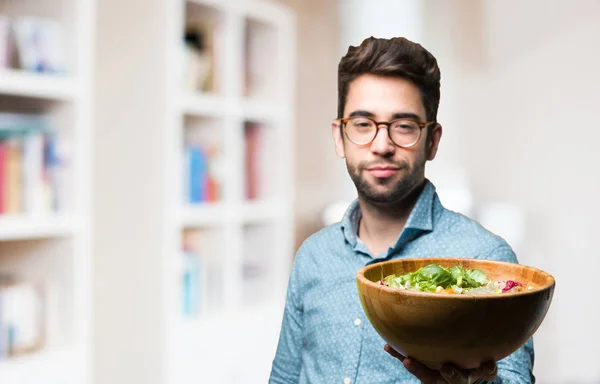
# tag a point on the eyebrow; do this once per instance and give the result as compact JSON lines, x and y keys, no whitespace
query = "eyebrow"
{"x":398,"y":115}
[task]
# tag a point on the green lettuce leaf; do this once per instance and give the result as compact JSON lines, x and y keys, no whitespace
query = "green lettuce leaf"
{"x":428,"y":278}
{"x":475,"y":278}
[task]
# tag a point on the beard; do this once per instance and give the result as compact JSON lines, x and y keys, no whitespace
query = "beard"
{"x":388,"y":191}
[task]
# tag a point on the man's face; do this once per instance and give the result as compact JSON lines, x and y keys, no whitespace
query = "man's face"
{"x":384,"y":173}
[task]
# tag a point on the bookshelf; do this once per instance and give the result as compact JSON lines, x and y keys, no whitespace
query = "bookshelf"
{"x":24,"y":227}
{"x":240,"y":241}
{"x":35,"y":85}
{"x":45,"y":237}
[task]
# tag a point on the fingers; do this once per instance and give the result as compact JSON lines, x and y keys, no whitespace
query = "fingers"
{"x":454,"y":375}
{"x":423,"y":373}
{"x":420,"y":371}
{"x":450,"y":373}
{"x":388,"y":348}
{"x":488,"y":371}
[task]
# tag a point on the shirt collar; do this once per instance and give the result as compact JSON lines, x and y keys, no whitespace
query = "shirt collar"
{"x":419,"y":220}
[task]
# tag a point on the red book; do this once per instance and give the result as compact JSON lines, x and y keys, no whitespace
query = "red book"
{"x":211,"y":189}
{"x":2,"y":176}
{"x":13,"y":187}
{"x":252,"y":147}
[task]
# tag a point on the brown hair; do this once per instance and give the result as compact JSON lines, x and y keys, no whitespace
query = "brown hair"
{"x":396,"y":57}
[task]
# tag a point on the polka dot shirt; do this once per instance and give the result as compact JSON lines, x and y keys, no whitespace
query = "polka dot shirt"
{"x":325,"y":335}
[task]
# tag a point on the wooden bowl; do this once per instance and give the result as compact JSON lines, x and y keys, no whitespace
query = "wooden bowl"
{"x":465,"y":330}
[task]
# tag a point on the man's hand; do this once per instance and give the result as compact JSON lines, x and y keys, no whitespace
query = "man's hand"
{"x":448,"y":374}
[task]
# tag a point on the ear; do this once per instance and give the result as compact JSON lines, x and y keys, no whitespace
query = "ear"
{"x":338,"y":140}
{"x":436,"y":135}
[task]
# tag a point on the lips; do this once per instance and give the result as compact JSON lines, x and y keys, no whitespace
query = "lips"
{"x":382,"y":171}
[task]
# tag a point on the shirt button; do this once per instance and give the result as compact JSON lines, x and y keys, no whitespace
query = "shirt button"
{"x":347,"y":380}
{"x":357,"y":323}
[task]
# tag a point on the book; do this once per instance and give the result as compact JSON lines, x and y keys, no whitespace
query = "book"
{"x":193,"y":274}
{"x":197,"y":174}
{"x":214,"y":175}
{"x":33,"y":165}
{"x":12,"y":177}
{"x":251,"y":155}
{"x":33,"y":173}
{"x":3,"y":180}
{"x":22,"y":317}
{"x":199,"y":56}
{"x":202,"y":174}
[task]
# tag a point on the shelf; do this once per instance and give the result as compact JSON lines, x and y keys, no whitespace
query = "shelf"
{"x":45,"y":367}
{"x":263,"y":110}
{"x":18,"y":227}
{"x":51,"y":249}
{"x":37,"y":85}
{"x":255,"y":329}
{"x":203,"y":214}
{"x":217,"y":4}
{"x":249,"y":116}
{"x":261,"y":210}
{"x":201,"y":327}
{"x":216,"y":214}
{"x":200,"y":104}
{"x":249,"y":109}
{"x":264,"y":12}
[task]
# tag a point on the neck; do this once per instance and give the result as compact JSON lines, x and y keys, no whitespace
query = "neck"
{"x":381,"y":224}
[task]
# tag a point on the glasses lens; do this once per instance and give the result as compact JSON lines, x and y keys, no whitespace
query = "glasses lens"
{"x":360,"y":130}
{"x":405,"y":132}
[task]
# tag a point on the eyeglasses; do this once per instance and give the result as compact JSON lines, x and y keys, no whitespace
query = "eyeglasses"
{"x":403,"y":132}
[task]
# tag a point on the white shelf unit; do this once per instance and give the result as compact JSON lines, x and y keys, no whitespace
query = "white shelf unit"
{"x":246,"y":244}
{"x":54,"y":248}
{"x":50,"y":366}
{"x":37,"y":85}
{"x":25,"y":227}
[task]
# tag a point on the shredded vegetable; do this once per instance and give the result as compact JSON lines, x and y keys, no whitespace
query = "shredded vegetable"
{"x":453,"y":280}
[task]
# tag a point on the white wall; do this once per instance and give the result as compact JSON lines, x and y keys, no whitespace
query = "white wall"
{"x":361,"y":19}
{"x":519,"y":107}
{"x":317,"y":173}
{"x":532,"y":126}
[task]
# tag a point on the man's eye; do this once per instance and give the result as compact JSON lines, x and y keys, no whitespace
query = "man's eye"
{"x":361,"y":123}
{"x":405,"y":127}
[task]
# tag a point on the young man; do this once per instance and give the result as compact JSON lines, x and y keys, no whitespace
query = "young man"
{"x":386,"y":131}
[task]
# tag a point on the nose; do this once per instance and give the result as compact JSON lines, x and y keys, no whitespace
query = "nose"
{"x":382,"y":145}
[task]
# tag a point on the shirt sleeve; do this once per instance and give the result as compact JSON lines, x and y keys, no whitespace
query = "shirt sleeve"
{"x":287,"y":364}
{"x":501,"y":253}
{"x":516,"y":368}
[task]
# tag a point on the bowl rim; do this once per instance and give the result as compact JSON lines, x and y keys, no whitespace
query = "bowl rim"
{"x":360,"y":278}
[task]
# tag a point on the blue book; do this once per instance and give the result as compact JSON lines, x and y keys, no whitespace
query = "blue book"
{"x":193,"y":166}
{"x":197,"y":168}
{"x":202,"y":174}
{"x":3,"y":346}
{"x":51,"y":165}
{"x":191,"y":284}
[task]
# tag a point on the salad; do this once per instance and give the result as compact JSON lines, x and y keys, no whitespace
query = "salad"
{"x":453,"y":280}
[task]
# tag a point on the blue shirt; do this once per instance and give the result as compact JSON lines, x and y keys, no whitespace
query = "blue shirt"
{"x":325,"y":335}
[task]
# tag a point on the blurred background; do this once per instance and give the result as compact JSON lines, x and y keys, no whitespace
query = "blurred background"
{"x":162,"y":160}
